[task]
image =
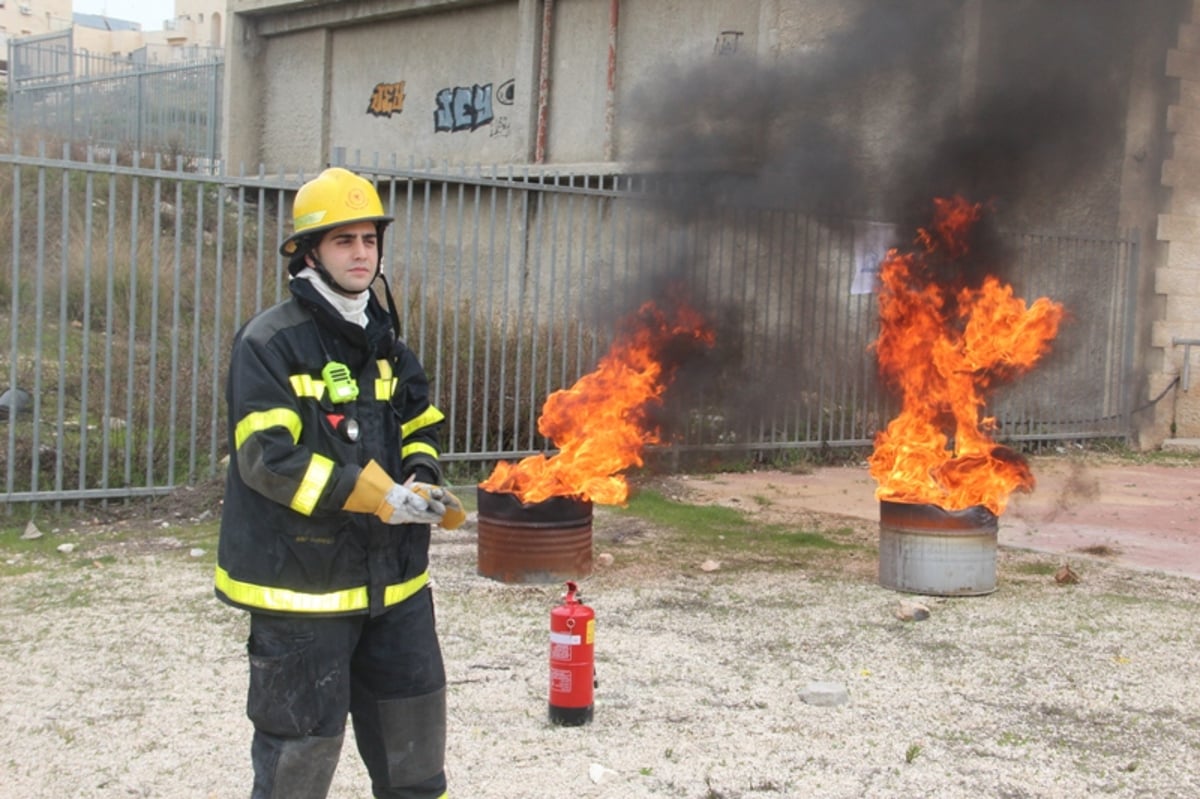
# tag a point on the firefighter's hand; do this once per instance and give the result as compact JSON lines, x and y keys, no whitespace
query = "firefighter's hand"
{"x":402,"y":505}
{"x":452,"y":511}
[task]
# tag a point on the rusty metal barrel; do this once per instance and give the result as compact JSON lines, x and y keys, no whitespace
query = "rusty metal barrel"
{"x":541,"y":542}
{"x":925,"y":549}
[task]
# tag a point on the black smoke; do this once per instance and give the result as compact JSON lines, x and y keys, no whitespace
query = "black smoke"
{"x":1017,"y":104}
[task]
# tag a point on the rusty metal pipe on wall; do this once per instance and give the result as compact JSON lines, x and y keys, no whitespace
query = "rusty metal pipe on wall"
{"x":543,"y":113}
{"x":614,"y":16}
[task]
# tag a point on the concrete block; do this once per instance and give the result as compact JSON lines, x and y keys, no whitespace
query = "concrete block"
{"x":1183,"y":118}
{"x":1183,"y":197}
{"x":1165,"y":331}
{"x":1187,"y":413}
{"x":825,"y":694}
{"x":1183,"y":64}
{"x":1185,"y":143}
{"x":1182,"y":308}
{"x":1178,"y":227}
{"x":1178,"y":282}
{"x":1181,"y":254}
{"x":1184,"y":201}
{"x":1189,"y":92}
{"x":1189,"y":38}
{"x":1189,"y":445}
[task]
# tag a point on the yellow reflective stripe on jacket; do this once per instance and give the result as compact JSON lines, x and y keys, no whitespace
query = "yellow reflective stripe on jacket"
{"x":286,"y":600}
{"x":385,"y":384}
{"x":431,"y":416}
{"x":263,"y":420}
{"x":315,"y":478}
{"x":415,"y":447}
{"x":307,"y":386}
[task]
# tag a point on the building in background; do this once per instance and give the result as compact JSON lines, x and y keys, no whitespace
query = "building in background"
{"x":196,"y":24}
{"x":194,"y":33}
{"x":104,"y":82}
{"x":1088,"y":118}
{"x":31,"y":18}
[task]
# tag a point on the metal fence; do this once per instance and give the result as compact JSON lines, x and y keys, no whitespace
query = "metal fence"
{"x":157,"y":100}
{"x":126,"y":286}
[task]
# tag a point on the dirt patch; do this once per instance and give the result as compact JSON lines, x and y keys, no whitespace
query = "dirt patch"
{"x":125,"y":677}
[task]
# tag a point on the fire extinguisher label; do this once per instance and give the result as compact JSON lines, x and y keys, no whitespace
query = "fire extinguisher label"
{"x":560,"y":681}
{"x":568,"y":638}
{"x":591,"y":631}
{"x":560,"y":652}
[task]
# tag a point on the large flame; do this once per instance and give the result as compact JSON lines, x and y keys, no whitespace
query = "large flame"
{"x":943,"y":349}
{"x":600,"y":424}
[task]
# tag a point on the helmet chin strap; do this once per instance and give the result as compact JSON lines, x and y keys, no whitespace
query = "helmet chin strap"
{"x":320,"y":269}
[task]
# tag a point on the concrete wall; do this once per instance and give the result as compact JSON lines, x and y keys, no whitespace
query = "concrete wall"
{"x":1177,"y":276}
{"x":777,"y":89}
{"x":437,"y":87}
{"x":293,"y":114}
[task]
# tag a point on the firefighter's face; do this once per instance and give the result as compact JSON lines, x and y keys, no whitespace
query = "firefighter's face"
{"x":351,"y":255}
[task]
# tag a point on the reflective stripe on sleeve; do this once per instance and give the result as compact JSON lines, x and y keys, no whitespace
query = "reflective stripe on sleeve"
{"x":286,"y":600}
{"x":415,"y":447}
{"x":263,"y":420}
{"x":431,"y":416}
{"x":315,"y":478}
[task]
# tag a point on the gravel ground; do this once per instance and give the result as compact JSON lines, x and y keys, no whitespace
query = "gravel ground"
{"x":123,"y":677}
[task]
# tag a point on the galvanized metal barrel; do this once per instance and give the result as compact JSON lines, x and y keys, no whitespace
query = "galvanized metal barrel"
{"x":542,"y":542}
{"x":924,"y":549}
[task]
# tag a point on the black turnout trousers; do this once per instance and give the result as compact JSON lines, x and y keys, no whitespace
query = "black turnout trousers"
{"x":385,"y":672}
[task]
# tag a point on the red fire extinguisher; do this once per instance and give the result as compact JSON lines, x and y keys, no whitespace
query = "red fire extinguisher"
{"x":572,"y":668}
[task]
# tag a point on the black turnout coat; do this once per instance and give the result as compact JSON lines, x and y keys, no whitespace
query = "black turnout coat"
{"x":286,"y":544}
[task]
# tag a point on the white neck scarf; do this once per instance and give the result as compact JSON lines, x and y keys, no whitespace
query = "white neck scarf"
{"x":353,"y":309}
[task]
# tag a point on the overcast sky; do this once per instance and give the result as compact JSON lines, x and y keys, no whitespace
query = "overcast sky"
{"x":150,"y":13}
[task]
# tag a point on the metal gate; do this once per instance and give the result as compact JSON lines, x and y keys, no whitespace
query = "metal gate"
{"x":133,"y":105}
{"x":126,"y":285}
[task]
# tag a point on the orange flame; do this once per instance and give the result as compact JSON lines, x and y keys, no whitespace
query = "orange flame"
{"x":599,"y":424}
{"x":943,"y":350}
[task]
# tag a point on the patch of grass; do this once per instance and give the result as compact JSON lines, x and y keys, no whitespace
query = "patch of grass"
{"x":1118,"y":450}
{"x":718,"y":530}
{"x":1038,"y":568}
{"x":1009,"y":738}
{"x":101,"y":546}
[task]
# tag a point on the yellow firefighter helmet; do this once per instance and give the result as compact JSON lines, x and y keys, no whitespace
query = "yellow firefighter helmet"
{"x":333,"y":198}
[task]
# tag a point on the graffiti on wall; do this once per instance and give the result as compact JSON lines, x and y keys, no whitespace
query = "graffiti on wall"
{"x":458,"y":108}
{"x":463,"y":108}
{"x":506,"y":94}
{"x":386,"y":99}
{"x":727,"y":42}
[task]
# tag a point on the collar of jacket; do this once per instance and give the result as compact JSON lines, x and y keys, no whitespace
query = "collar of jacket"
{"x":375,"y":338}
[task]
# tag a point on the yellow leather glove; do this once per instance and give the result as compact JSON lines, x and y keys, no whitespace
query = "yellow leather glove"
{"x":454,"y":515}
{"x":376,"y":492}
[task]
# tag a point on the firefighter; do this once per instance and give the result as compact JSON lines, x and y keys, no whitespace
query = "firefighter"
{"x":333,"y":484}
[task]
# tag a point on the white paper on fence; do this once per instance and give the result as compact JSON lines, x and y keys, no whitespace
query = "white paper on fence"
{"x":872,"y":240}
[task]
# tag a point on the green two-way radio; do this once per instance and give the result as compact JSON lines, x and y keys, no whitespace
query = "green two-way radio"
{"x":339,"y":382}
